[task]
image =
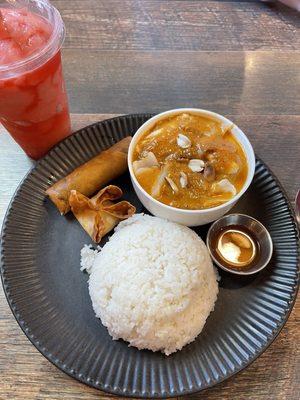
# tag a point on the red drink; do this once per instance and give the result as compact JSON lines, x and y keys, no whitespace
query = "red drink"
{"x":33,"y":101}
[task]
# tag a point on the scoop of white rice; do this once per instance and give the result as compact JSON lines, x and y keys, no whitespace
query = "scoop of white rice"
{"x":153,"y":284}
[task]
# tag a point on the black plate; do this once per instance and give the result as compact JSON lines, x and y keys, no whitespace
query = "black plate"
{"x":48,"y":295}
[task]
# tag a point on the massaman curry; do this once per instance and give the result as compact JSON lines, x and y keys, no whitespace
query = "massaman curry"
{"x":191,"y":162}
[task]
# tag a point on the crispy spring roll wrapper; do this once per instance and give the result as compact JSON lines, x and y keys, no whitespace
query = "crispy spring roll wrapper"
{"x":99,"y":215}
{"x":91,"y":176}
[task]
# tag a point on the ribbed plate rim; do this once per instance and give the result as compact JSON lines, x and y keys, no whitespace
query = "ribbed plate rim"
{"x":118,"y":392}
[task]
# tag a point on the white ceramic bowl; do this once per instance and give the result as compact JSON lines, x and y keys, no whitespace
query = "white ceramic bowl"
{"x":190,"y":217}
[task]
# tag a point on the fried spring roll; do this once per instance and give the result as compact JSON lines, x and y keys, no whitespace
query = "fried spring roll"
{"x":91,"y":176}
{"x":99,"y":215}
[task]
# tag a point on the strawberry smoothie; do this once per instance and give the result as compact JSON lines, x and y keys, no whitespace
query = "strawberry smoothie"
{"x":33,"y":101}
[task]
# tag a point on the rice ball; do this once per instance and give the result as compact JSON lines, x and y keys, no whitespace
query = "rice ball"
{"x":153,"y":284}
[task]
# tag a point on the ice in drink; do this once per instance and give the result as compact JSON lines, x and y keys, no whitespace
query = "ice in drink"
{"x":33,"y":101}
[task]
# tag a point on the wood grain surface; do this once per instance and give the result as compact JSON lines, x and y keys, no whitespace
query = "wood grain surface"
{"x":179,"y":25}
{"x":247,"y":83}
{"x":239,"y":58}
{"x":127,"y":56}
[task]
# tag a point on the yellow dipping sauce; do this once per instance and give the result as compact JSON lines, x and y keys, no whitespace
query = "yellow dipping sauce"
{"x":191,"y":162}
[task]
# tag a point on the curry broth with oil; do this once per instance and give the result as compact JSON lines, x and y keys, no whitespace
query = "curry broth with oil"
{"x":210,"y":142}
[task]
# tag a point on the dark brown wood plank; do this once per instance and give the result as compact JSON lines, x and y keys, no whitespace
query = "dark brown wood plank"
{"x":178,"y":25}
{"x":244,"y":83}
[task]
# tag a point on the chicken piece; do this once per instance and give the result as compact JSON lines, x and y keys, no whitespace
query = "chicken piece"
{"x":224,"y":186}
{"x":146,"y":162}
{"x":159,"y":182}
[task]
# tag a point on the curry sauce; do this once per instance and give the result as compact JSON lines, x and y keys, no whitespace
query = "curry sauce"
{"x":191,"y":162}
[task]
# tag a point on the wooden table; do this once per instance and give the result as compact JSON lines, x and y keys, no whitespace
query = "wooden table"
{"x":241,"y":59}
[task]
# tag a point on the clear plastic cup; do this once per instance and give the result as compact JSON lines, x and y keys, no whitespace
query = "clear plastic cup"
{"x":33,"y":101}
